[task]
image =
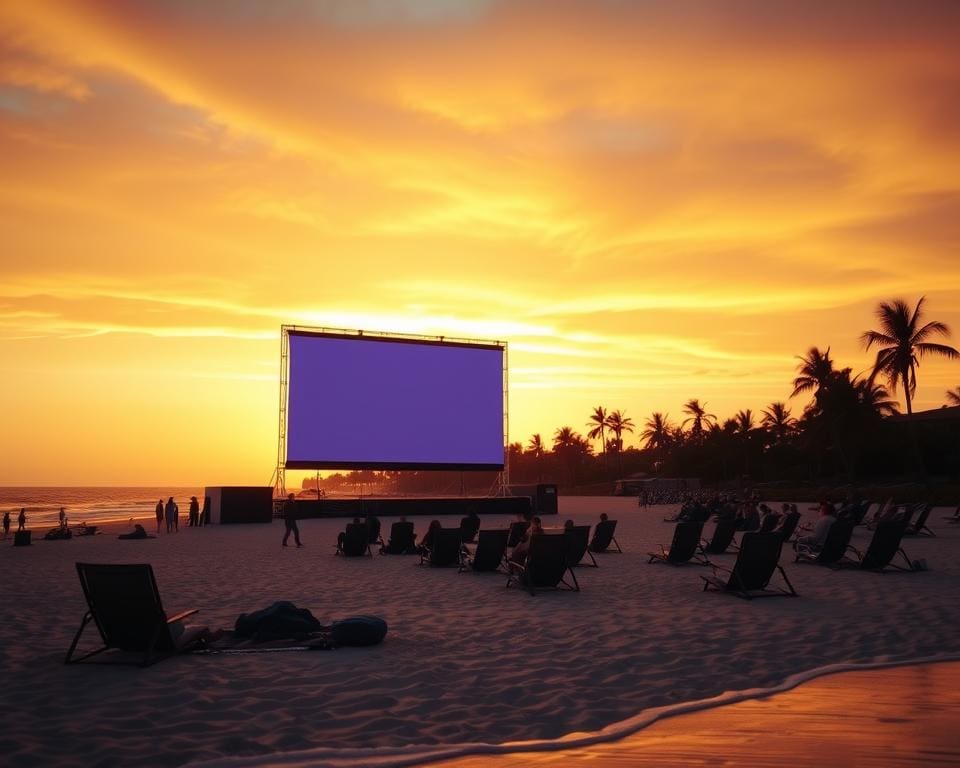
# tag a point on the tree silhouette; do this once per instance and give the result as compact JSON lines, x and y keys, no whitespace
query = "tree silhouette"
{"x":777,"y":418}
{"x":902,"y":342}
{"x":599,"y":421}
{"x":953,"y":396}
{"x":618,"y":423}
{"x":814,"y":371}
{"x":698,"y":419}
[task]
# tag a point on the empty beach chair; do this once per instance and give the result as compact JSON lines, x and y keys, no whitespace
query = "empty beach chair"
{"x":444,"y":549}
{"x":750,"y":576}
{"x":578,"y":546}
{"x":883,"y":548}
{"x":721,"y":539}
{"x":490,"y":551}
{"x":919,"y":526}
{"x":401,"y":540}
{"x":833,"y":549}
{"x":954,"y":518}
{"x":603,"y":537}
{"x":373,"y":530}
{"x":787,"y":526}
{"x":354,"y":541}
{"x":545,"y":567}
{"x":684,"y":547}
{"x":124,"y":603}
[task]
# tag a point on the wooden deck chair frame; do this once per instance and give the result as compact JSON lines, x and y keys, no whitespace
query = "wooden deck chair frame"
{"x":919,"y":527}
{"x":756,"y":564}
{"x":685,"y":547}
{"x":123,"y":602}
{"x":355,"y":542}
{"x":547,"y":564}
{"x":721,"y":539}
{"x":608,"y":527}
{"x":490,"y":552}
{"x":445,"y":549}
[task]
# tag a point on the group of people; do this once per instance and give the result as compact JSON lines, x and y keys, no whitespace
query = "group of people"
{"x":169,"y":514}
{"x":21,"y":521}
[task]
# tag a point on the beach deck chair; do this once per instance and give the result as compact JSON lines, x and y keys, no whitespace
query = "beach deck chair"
{"x":468,"y":529}
{"x":490,"y":552}
{"x":750,"y":576}
{"x":919,"y":527}
{"x":401,"y":541}
{"x":833,"y":549}
{"x":684,"y":548}
{"x":883,"y":549}
{"x":373,"y":530}
{"x":954,"y":518}
{"x":603,"y":537}
{"x":578,"y":546}
{"x":721,"y":539}
{"x":788,"y":526}
{"x":546,"y":566}
{"x":124,"y":604}
{"x":355,"y":541}
{"x":445,"y":549}
{"x":516,"y":531}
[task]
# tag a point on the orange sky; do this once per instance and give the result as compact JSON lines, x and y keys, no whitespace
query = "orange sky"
{"x":649,"y":201}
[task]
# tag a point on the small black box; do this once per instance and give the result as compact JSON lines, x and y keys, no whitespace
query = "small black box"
{"x":21,"y":539}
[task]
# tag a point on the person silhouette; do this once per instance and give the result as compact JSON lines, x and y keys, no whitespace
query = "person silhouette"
{"x":22,"y":519}
{"x":290,"y":520}
{"x":159,"y":514}
{"x":6,"y":523}
{"x":171,"y":513}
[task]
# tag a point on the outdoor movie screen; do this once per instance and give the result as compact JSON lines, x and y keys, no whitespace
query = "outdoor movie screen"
{"x":370,"y":402}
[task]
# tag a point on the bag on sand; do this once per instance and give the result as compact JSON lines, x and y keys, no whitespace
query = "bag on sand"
{"x":358,"y":630}
{"x":281,"y":620}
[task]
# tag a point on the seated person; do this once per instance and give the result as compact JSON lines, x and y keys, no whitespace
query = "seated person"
{"x":815,"y":540}
{"x":426,"y":542}
{"x":342,"y":534}
{"x":520,"y":552}
{"x":748,"y":518}
{"x":137,"y":533}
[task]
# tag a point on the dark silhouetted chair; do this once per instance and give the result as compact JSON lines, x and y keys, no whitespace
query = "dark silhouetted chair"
{"x":468,"y":529}
{"x":373,"y":530}
{"x":401,"y":540}
{"x":444,"y":549}
{"x":883,"y":548}
{"x":750,"y":576}
{"x":684,"y":546}
{"x":721,"y":539}
{"x":517,"y":529}
{"x":578,"y":546}
{"x":788,"y":525}
{"x":124,"y":604}
{"x":545,"y":567}
{"x":603,"y":537}
{"x":919,"y":527}
{"x":834,"y":546}
{"x":489,"y":553}
{"x":355,"y":541}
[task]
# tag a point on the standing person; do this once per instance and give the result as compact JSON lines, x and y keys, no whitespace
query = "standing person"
{"x":159,"y":514}
{"x":63,"y":519}
{"x":6,"y":523}
{"x":194,"y":512}
{"x":22,"y":519}
{"x":290,"y":520}
{"x":170,"y":514}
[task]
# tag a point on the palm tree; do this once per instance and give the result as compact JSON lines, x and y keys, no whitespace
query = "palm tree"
{"x":901,"y":342}
{"x":535,"y":445}
{"x":599,"y":421}
{"x":953,"y":396}
{"x":658,"y":433}
{"x":570,"y":447}
{"x":698,"y":418}
{"x":814,"y":371}
{"x":618,"y":423}
{"x":777,"y":418}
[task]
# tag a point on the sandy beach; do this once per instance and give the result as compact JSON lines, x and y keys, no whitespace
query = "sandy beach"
{"x":465,"y":661}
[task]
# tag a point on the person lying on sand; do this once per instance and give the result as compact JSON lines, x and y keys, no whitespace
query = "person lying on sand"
{"x":137,"y":533}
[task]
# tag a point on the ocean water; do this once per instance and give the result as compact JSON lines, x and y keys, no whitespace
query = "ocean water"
{"x":90,"y":505}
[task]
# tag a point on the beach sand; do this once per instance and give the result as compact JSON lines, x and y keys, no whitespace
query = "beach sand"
{"x":465,"y":660}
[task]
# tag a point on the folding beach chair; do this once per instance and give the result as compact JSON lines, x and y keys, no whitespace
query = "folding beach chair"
{"x":683,"y":548}
{"x":468,"y":529}
{"x":545,"y":567}
{"x":578,"y":546}
{"x":444,"y":549}
{"x":517,"y":529}
{"x":833,"y":549}
{"x":603,"y":536}
{"x":919,"y":527}
{"x":788,"y":525}
{"x":401,"y":540}
{"x":750,"y":576}
{"x":883,"y":548}
{"x":124,"y":604}
{"x":490,"y":551}
{"x":354,"y":542}
{"x":954,"y":518}
{"x":721,"y":539}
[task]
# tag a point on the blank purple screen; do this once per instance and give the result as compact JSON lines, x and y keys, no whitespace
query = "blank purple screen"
{"x":363,"y":401}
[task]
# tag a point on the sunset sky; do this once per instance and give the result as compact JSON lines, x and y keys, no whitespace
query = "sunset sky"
{"x":649,"y":201}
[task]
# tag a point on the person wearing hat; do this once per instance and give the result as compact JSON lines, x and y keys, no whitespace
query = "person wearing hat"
{"x":194,"y":512}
